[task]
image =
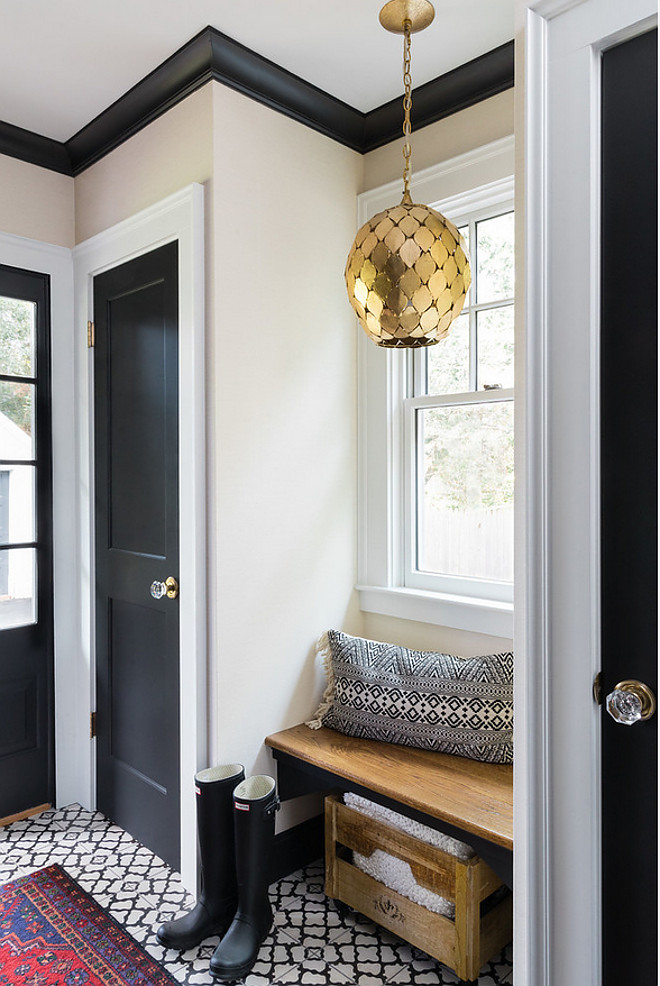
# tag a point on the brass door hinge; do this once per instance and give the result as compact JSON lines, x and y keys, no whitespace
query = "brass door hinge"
{"x":92,"y":725}
{"x":90,"y":335}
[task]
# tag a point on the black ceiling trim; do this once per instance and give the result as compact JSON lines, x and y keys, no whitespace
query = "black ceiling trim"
{"x":35,"y":149}
{"x":251,"y":74}
{"x":464,"y":86}
{"x":212,"y":55}
{"x":178,"y":76}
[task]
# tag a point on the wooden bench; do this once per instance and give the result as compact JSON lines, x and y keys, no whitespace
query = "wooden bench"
{"x":469,"y":800}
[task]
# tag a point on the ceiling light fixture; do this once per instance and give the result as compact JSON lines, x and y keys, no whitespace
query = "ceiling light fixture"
{"x":408,"y":271}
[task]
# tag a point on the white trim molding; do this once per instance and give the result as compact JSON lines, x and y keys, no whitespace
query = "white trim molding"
{"x":557,"y":826}
{"x":449,"y":181}
{"x":466,"y":184}
{"x":179,"y":217}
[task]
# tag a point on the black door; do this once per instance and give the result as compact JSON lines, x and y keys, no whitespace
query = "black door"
{"x":629,"y":406}
{"x":26,"y":569}
{"x":137,"y":545}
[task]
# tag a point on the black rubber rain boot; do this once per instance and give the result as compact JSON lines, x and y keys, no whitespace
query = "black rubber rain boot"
{"x":217,"y":902}
{"x":255,"y":804}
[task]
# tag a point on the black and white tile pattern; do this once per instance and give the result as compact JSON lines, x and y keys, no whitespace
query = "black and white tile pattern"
{"x":311,"y":942}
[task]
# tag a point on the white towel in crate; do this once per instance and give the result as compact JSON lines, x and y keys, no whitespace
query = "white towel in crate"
{"x":396,"y":873}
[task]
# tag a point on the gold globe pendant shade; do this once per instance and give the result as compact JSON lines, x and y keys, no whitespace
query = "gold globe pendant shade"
{"x":407,"y":276}
{"x":408,"y":271}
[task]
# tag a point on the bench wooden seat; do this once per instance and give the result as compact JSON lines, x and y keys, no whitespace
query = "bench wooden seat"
{"x":465,"y":798}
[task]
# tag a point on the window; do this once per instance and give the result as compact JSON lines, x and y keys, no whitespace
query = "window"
{"x":24,"y":446}
{"x":458,"y":437}
{"x":435,"y":445}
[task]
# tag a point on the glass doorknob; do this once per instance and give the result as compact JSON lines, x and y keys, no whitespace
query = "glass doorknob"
{"x":169,"y":588}
{"x":631,"y":702}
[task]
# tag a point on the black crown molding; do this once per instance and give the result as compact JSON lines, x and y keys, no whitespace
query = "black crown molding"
{"x":464,"y":86}
{"x":214,"y":56}
{"x":35,"y":149}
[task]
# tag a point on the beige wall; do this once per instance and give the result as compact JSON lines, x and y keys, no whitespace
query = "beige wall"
{"x":282,"y":413}
{"x":425,"y":636}
{"x":456,"y":134}
{"x":173,"y":151}
{"x":36,"y":203}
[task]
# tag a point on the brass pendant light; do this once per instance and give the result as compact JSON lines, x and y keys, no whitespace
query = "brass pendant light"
{"x":408,"y":271}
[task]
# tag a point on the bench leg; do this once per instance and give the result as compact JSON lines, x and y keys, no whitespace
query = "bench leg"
{"x":330,"y":839}
{"x":467,"y":923}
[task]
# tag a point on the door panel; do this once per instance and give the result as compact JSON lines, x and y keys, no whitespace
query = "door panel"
{"x":629,"y":403}
{"x":137,"y":630}
{"x":138,"y":396}
{"x":137,"y":523}
{"x":26,"y":571}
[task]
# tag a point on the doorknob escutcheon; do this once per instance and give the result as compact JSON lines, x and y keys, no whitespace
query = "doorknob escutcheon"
{"x":630,"y":702}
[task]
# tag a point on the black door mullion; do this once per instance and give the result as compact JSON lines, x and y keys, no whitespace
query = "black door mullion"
{"x":14,"y":378}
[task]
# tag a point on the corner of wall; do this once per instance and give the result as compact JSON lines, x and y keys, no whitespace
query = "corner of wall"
{"x":173,"y":151}
{"x":36,"y":203}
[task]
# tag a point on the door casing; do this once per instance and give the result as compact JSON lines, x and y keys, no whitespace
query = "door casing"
{"x":557,"y":607}
{"x":180,"y":217}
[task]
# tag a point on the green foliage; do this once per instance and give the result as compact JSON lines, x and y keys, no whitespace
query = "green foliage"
{"x":468,"y":449}
{"x":468,"y":456}
{"x":16,"y":336}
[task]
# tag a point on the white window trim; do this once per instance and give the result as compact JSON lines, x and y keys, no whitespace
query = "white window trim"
{"x":480,"y":179}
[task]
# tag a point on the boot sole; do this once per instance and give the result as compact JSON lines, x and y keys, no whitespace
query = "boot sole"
{"x":237,"y":972}
{"x":192,"y":942}
{"x":231,"y":976}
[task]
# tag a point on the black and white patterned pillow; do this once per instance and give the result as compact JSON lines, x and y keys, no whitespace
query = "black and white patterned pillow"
{"x":460,"y":705}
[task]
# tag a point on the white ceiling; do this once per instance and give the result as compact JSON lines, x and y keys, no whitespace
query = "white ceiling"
{"x":62,"y":62}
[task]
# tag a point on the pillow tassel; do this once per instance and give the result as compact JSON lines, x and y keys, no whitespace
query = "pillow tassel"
{"x":323,"y":649}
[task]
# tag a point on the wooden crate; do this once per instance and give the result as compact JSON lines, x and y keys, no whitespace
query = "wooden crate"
{"x":463,"y":944}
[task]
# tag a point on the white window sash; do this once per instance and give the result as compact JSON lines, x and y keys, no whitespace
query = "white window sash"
{"x":384,"y":477}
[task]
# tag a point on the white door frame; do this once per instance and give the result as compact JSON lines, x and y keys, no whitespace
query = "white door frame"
{"x":557,"y":612}
{"x":179,"y":217}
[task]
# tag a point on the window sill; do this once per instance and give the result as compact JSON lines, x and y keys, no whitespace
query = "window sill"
{"x":461,"y":612}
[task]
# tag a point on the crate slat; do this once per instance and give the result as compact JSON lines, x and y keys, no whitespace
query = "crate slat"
{"x":431,"y":932}
{"x":433,"y":868}
{"x":464,"y":944}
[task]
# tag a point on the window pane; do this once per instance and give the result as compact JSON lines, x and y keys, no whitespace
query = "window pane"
{"x":16,"y":420}
{"x":17,"y":504}
{"x":465,"y":491}
{"x":18,"y":577}
{"x":17,"y":337}
{"x":495,"y":348}
{"x":449,"y":361}
{"x":495,"y":258}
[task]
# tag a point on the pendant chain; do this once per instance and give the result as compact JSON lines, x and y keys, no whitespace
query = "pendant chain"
{"x":407,"y":106}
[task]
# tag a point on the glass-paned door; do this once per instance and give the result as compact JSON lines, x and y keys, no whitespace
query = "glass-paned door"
{"x":26,"y":609}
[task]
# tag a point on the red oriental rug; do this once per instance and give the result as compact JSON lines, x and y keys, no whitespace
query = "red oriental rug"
{"x":52,"y":933}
